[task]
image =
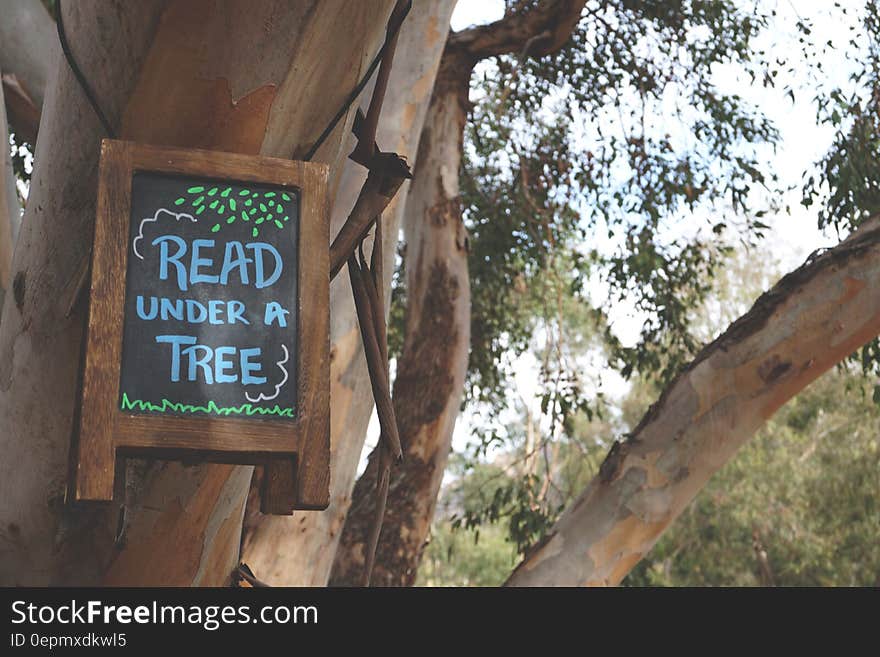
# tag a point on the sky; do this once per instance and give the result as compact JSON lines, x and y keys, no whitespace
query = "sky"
{"x":793,"y":235}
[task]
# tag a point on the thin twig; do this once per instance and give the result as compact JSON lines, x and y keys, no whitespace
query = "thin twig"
{"x":378,"y":380}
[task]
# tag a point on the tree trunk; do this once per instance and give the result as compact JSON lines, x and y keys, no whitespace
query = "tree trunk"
{"x":10,"y":210}
{"x":236,"y":76}
{"x":28,"y":47}
{"x":811,"y":320}
{"x":432,"y":367}
{"x":298,"y":551}
{"x":28,"y":50}
{"x":431,"y":370}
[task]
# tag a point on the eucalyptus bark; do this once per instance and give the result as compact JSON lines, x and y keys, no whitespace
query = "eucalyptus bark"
{"x":10,"y":210}
{"x":234,"y":76}
{"x":298,"y":550}
{"x":432,"y":367}
{"x":811,"y":320}
{"x":28,"y":48}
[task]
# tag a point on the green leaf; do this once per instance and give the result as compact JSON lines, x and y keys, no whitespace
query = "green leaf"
{"x":195,"y":190}
{"x":180,"y":201}
{"x":215,"y":228}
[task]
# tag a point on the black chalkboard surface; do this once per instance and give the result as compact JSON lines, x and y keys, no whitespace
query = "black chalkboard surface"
{"x":210,"y":325}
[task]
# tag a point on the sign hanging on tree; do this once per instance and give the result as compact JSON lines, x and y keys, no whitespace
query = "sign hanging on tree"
{"x":208,"y":333}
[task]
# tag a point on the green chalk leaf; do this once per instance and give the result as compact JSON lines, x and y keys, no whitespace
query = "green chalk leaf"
{"x":285,"y":196}
{"x":195,"y":190}
{"x":215,"y":228}
{"x":200,"y":210}
{"x":225,"y":192}
{"x":199,"y":200}
{"x":221,"y":209}
{"x":231,"y":219}
{"x":212,"y":191}
{"x":279,"y":224}
{"x":270,"y":194}
{"x":180,"y":201}
{"x":263,"y":207}
{"x":213,"y":204}
{"x":255,"y":232}
{"x":232,"y":204}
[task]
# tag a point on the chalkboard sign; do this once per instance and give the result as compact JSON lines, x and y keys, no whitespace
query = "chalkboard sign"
{"x":208,"y":331}
{"x":210,"y":315}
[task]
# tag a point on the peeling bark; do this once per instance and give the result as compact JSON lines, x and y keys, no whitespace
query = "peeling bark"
{"x":229,"y":75}
{"x":431,"y":369}
{"x":811,"y":320}
{"x":298,"y":550}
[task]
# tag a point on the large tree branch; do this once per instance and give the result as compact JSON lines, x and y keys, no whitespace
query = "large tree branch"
{"x":811,"y":320}
{"x":547,"y":25}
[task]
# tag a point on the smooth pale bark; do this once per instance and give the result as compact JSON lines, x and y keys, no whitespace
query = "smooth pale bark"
{"x":298,"y":551}
{"x":432,"y":367}
{"x":28,"y":47}
{"x":10,"y":210}
{"x":810,"y":321}
{"x":238,"y":76}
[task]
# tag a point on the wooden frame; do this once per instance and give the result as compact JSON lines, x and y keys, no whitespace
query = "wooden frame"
{"x":296,"y":454}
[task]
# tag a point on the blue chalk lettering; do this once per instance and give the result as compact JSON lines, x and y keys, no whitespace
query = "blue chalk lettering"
{"x":221,"y":365}
{"x":140,"y":308}
{"x":175,"y":340}
{"x":203,"y":362}
{"x":247,"y":366}
{"x":275,"y":311}
{"x":165,"y":258}
{"x":237,"y":261}
{"x":169,"y":308}
{"x":194,"y":275}
{"x":236,"y":312}
{"x":260,"y":278}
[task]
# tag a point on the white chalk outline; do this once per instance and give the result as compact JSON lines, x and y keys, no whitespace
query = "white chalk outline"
{"x":155,"y":217}
{"x":280,"y":364}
